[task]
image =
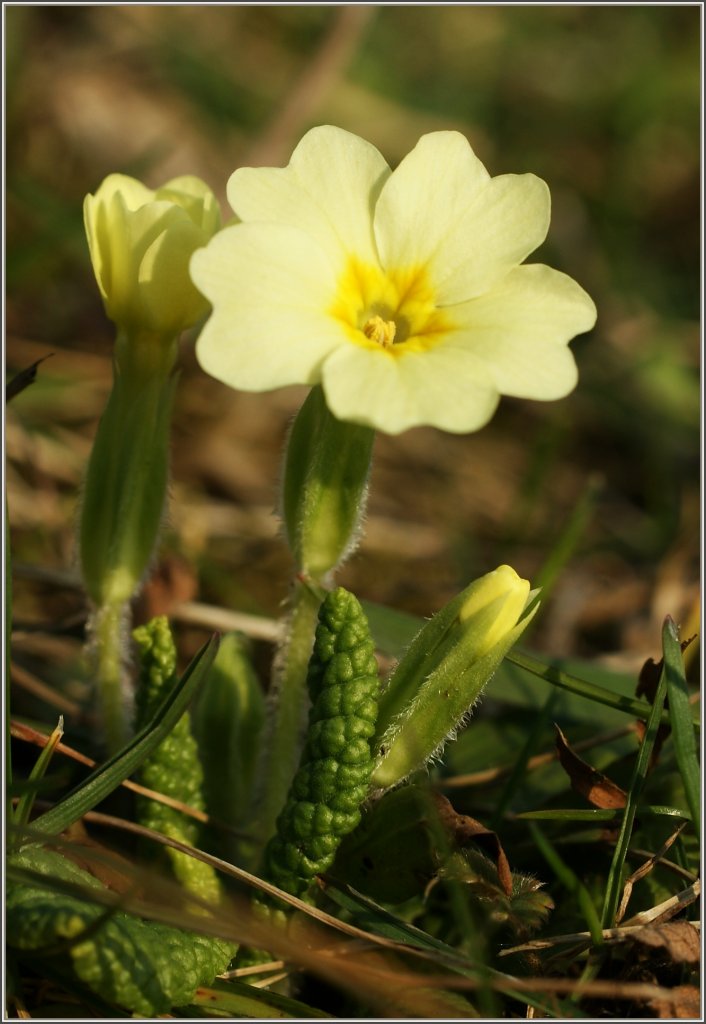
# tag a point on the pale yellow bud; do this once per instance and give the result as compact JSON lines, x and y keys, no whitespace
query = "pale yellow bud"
{"x":141,"y":242}
{"x":507,"y":593}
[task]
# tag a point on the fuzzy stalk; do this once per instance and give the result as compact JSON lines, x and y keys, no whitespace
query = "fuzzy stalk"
{"x":287,"y":710}
{"x":107,"y":632}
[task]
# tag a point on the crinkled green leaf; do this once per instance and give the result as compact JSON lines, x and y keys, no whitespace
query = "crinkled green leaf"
{"x":174,"y":767}
{"x":140,"y":965}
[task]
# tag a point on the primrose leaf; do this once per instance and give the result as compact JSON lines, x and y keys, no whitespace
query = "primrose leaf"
{"x":145,"y":967}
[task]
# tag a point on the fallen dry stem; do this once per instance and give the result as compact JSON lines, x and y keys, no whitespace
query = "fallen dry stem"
{"x":538,"y":761}
{"x":644,"y":870}
{"x":381,"y":978}
{"x":39,"y":739}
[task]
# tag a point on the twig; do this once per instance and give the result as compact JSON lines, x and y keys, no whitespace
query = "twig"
{"x":213,"y":617}
{"x":29,"y":682}
{"x":644,"y":870}
{"x":319,"y":76}
{"x":611,"y":936}
{"x":492,"y":774}
{"x":670,"y":907}
{"x":29,"y":735}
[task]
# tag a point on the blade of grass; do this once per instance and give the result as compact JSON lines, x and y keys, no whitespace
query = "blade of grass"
{"x":570,"y":881}
{"x":238,"y":999}
{"x":26,"y":801}
{"x":519,"y":771}
{"x":614,"y":884}
{"x":570,"y":536}
{"x":105,"y":779}
{"x":582,"y":688}
{"x":598,"y":814}
{"x":681,"y":716}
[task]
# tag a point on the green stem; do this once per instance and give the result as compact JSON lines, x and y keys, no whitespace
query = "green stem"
{"x":109,"y":636}
{"x":288,"y":707}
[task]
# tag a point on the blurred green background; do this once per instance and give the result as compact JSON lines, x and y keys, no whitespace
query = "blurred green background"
{"x":596,"y":495}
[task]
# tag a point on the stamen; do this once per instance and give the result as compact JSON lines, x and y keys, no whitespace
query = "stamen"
{"x":380,"y":331}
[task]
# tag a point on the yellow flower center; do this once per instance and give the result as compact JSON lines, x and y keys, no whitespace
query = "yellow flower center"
{"x":389,"y":310}
{"x":381,"y":331}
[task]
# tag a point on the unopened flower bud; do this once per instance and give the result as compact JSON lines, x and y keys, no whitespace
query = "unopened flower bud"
{"x":445,"y":669}
{"x":141,"y":242}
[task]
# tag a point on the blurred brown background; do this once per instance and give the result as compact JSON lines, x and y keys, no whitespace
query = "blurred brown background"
{"x":597,"y":496}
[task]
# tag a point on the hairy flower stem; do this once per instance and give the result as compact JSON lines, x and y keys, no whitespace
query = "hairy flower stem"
{"x":108,"y":636}
{"x":288,"y":709}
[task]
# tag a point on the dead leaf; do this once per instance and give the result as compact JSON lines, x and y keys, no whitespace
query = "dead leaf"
{"x":598,"y":789}
{"x":684,"y":1004}
{"x":109,"y":867}
{"x":647,"y":684}
{"x":678,"y":938}
{"x":651,"y":671}
{"x":465,"y":829}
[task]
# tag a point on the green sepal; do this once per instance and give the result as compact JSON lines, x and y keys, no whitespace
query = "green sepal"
{"x":126,"y":480}
{"x":407,"y":739}
{"x":326,"y":468}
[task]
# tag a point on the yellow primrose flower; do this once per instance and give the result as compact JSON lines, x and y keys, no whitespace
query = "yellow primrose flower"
{"x":141,"y":242}
{"x":401,"y":292}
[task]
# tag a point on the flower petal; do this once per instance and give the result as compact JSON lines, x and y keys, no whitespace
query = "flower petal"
{"x":134,"y":193}
{"x":194,"y":196}
{"x":446,"y":387}
{"x":520,"y":331}
{"x":270,"y":286}
{"x":329,"y":190}
{"x":168,"y":301}
{"x":441,"y":209}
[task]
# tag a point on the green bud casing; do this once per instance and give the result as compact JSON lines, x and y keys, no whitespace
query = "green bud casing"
{"x":444,"y":670}
{"x":324,"y":487}
{"x":126,"y":479}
